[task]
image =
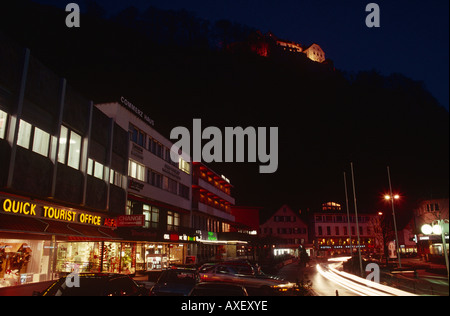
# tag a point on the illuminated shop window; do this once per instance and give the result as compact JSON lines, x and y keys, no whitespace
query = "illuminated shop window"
{"x":3,"y":121}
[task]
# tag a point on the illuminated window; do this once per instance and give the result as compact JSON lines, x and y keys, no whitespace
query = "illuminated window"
{"x":41,"y":142}
{"x":95,"y":169}
{"x":23,"y":139}
{"x":74,"y":150}
{"x":3,"y":121}
{"x":63,"y":144}
{"x":151,"y":214}
{"x":117,"y":179}
{"x":185,"y":166}
{"x":173,"y":220}
{"x":136,"y":171}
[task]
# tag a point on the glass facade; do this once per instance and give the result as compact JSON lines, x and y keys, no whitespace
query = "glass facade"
{"x":24,"y":261}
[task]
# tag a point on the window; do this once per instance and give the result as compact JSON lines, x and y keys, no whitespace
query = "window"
{"x":63,"y":144}
{"x":41,"y":139}
{"x":173,"y":220}
{"x":137,"y":136}
{"x":184,"y":191}
{"x":328,"y":230}
{"x":3,"y":121}
{"x":41,"y":142}
{"x":74,"y":150}
{"x":155,"y":179}
{"x":185,"y":166}
{"x":117,"y":179}
{"x":23,"y":139}
{"x":320,"y":233}
{"x":173,"y":186}
{"x":98,"y":170}
{"x":95,"y":169}
{"x":151,"y":214}
{"x":337,"y":230}
{"x":136,"y":171}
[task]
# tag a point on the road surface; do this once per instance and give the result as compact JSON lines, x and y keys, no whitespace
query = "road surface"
{"x":328,"y":279}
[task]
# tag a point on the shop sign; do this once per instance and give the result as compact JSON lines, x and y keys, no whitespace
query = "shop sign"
{"x":130,"y":221}
{"x":12,"y":206}
{"x":176,"y":237}
{"x":205,"y":235}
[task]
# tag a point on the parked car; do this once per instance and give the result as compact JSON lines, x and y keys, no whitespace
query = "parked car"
{"x":218,"y":289}
{"x":95,"y":284}
{"x":266,"y":285}
{"x":175,"y":282}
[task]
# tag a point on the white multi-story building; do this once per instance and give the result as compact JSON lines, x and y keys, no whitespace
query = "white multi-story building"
{"x":159,"y":189}
{"x":330,"y":228}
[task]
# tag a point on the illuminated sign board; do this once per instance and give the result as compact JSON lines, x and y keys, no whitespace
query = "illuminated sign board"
{"x":176,"y":237}
{"x":29,"y":208}
{"x":130,"y":106}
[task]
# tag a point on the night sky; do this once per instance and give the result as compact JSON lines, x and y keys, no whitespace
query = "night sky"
{"x":412,"y":39}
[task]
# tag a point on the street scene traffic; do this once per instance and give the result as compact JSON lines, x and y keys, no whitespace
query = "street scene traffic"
{"x":224,"y":149}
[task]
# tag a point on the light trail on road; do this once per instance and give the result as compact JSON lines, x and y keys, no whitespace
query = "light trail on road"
{"x":357,"y":285}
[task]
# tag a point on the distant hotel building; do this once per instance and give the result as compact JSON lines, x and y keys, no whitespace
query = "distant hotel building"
{"x":331,"y":232}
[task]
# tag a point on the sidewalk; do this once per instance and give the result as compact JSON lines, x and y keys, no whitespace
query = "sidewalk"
{"x":429,"y":278}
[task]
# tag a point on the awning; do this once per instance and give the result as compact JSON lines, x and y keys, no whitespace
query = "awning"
{"x":29,"y":225}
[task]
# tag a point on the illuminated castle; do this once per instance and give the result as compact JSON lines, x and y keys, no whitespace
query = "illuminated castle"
{"x":270,"y":45}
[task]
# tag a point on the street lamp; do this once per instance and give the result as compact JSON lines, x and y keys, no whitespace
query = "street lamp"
{"x":438,"y":227}
{"x":395,"y":197}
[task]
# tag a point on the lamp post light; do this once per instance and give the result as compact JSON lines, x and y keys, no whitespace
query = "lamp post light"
{"x":393,"y":197}
{"x":438,"y":227}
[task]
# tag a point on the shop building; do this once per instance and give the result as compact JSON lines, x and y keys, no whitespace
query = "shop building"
{"x":429,"y":212}
{"x":63,"y":179}
{"x":159,"y":191}
{"x":212,"y":215}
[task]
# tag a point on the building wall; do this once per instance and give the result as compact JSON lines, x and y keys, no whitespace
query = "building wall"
{"x":48,"y":134}
{"x":315,"y":53}
{"x":286,"y":227}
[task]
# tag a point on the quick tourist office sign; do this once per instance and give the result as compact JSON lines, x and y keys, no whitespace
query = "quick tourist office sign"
{"x":15,"y":206}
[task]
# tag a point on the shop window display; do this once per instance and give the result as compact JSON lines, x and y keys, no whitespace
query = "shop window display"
{"x":85,"y":255}
{"x":24,"y":261}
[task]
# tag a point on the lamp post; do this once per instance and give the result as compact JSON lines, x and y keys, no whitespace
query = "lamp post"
{"x":392,"y":198}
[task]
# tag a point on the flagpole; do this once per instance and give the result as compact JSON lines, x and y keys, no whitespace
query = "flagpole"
{"x":357,"y":223}
{"x":395,"y":222}
{"x":348,"y":215}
